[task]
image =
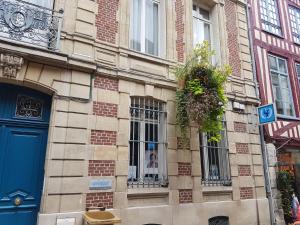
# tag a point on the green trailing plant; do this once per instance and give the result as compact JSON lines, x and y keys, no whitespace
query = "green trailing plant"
{"x":285,"y":184}
{"x":200,"y":97}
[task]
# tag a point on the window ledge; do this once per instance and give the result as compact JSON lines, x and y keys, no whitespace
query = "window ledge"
{"x":288,"y":117}
{"x":216,"y":189}
{"x":136,"y":193}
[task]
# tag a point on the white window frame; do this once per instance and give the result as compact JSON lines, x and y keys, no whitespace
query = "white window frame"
{"x":140,"y":174}
{"x":295,"y":23}
{"x":286,"y":75}
{"x":161,"y":27}
{"x":209,"y":150}
{"x":269,"y":15}
{"x":198,"y":16}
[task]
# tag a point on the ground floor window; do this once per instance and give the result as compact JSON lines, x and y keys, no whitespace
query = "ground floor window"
{"x":215,"y":159}
{"x":147,"y":160}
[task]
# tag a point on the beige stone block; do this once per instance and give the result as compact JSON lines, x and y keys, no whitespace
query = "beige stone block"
{"x":197,"y":196}
{"x":107,"y":96}
{"x":122,"y":168}
{"x":124,"y":126}
{"x":61,"y":119}
{"x":62,"y":88}
{"x":157,"y":93}
{"x":121,"y":184}
{"x":81,"y":77}
{"x":246,"y":181}
{"x":69,"y":187}
{"x":66,"y":76}
{"x":58,"y":134}
{"x":54,"y":167}
{"x":257,"y":159}
{"x":244,"y":159}
{"x":172,"y":156}
{"x":241,"y":138}
{"x":81,"y":49}
{"x":123,"y":153}
{"x":172,"y":169}
{"x":259,"y":181}
{"x":79,"y":91}
{"x":234,"y":170}
{"x":76,"y":135}
{"x":84,"y":28}
{"x":194,"y":139}
{"x":105,"y":152}
{"x":78,"y":120}
{"x":90,"y":6}
{"x":71,"y":203}
{"x":92,"y":121}
{"x":125,"y":86}
{"x":172,"y":142}
{"x":74,"y":168}
{"x":260,"y":192}
{"x":185,"y":182}
{"x":51,"y":203}
{"x":173,"y":182}
{"x":120,"y":200}
{"x":68,"y":151}
{"x":53,"y":185}
{"x":171,"y":130}
{"x":139,"y":90}
{"x":184,"y":156}
{"x":49,"y":74}
{"x":61,"y":105}
{"x":33,"y":71}
{"x":197,"y":183}
{"x":196,"y":169}
{"x":149,"y":90}
{"x":86,"y":16}
{"x":258,"y":170}
{"x":123,"y":107}
{"x":79,"y":107}
{"x":196,"y":156}
{"x":171,"y":115}
{"x":123,"y":139}
{"x":168,"y":95}
{"x":174,"y":197}
{"x":106,"y":123}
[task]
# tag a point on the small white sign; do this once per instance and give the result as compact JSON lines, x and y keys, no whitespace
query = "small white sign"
{"x":101,"y":184}
{"x":65,"y":221}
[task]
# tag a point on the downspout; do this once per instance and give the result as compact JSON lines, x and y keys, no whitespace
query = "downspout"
{"x":263,"y":146}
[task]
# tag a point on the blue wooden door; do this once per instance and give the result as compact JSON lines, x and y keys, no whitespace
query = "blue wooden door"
{"x":24,"y":118}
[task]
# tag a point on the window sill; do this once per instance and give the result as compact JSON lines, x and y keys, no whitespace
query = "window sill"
{"x":275,"y":35}
{"x":136,"y":193}
{"x":217,"y":189}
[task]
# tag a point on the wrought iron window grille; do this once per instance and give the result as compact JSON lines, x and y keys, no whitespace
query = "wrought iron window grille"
{"x":32,"y":24}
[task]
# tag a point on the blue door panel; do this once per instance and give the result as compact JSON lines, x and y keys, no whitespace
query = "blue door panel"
{"x":23,"y":141}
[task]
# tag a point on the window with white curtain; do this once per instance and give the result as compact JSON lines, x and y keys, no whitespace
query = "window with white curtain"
{"x":201,"y":25}
{"x":147,"y":159}
{"x":270,"y":16}
{"x":295,"y":23}
{"x":281,"y":86}
{"x":215,"y":159}
{"x":146,"y":26}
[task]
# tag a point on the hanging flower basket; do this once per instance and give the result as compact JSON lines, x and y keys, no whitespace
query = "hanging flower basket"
{"x":200,"y":97}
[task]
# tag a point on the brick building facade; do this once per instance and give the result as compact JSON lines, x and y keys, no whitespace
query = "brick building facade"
{"x":113,"y":114}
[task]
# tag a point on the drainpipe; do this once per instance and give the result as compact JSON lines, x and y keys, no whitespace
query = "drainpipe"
{"x":263,"y":146}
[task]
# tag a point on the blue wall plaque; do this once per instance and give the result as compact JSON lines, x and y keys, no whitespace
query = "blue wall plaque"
{"x":100,"y":184}
{"x":266,"y":114}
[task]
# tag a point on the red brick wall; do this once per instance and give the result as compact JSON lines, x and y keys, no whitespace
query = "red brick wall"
{"x":106,"y":83}
{"x":179,"y":29}
{"x":242,"y":148}
{"x":184,"y":169}
{"x":103,"y":137}
{"x":101,"y":168}
{"x":105,"y":109}
{"x":244,"y":170}
{"x":232,"y":34}
{"x":183,"y":144}
{"x":246,"y":193}
{"x":106,"y":20}
{"x":103,"y":199}
{"x":185,"y":196}
{"x":240,"y":127}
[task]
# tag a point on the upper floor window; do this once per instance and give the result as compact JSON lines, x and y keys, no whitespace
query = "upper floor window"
{"x":281,"y":86}
{"x":295,"y":23}
{"x":270,"y":16}
{"x":146,"y":26}
{"x":298,"y":72}
{"x":147,"y":162}
{"x":215,"y":159}
{"x":201,"y":25}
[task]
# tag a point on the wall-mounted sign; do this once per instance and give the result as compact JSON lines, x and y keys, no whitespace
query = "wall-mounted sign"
{"x":266,"y":114}
{"x":100,"y":184}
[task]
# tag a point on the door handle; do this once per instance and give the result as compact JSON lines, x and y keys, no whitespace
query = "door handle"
{"x":18,"y":201}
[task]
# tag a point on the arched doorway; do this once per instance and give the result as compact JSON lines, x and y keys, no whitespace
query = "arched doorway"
{"x":24,"y":122}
